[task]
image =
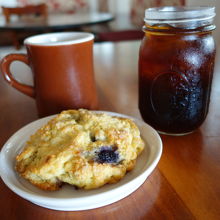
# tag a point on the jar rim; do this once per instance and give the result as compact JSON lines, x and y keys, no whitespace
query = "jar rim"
{"x":179,"y":14}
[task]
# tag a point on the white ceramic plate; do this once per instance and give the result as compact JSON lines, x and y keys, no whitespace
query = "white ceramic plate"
{"x":68,"y":198}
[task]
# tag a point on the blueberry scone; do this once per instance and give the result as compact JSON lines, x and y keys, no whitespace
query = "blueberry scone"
{"x":82,"y":148}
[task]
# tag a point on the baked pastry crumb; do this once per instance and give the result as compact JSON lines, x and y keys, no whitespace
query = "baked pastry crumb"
{"x":81,"y":148}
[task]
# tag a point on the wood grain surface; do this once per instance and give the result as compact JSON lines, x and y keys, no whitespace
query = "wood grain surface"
{"x":184,"y":185}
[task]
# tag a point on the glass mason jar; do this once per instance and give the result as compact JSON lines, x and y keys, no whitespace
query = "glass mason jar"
{"x":176,"y":62}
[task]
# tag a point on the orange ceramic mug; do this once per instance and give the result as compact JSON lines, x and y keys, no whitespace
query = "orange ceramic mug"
{"x":62,"y":66}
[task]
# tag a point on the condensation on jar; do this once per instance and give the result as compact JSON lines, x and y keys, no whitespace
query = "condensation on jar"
{"x":176,"y":63}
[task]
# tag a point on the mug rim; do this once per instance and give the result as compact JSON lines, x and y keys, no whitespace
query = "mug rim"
{"x":59,"y":38}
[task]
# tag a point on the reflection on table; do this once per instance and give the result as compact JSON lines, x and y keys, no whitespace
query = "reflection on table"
{"x":55,"y":21}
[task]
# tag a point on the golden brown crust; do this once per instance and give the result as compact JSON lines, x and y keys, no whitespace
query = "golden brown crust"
{"x":81,"y":148}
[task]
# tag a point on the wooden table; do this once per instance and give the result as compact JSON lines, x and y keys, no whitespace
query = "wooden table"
{"x":185,"y":184}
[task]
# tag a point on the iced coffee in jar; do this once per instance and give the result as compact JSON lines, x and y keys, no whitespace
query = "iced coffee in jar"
{"x":176,"y":63}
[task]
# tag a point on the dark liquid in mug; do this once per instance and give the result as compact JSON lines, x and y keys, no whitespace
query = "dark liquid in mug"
{"x":175,"y":74}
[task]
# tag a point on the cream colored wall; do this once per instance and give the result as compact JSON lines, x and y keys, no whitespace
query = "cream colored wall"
{"x":120,"y":6}
{"x":7,"y":2}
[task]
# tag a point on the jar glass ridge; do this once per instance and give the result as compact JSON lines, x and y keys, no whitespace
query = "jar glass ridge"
{"x":176,"y":63}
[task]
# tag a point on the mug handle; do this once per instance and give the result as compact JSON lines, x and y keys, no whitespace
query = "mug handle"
{"x":5,"y":69}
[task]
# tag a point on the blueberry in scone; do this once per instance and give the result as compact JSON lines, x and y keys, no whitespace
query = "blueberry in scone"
{"x":108,"y":154}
